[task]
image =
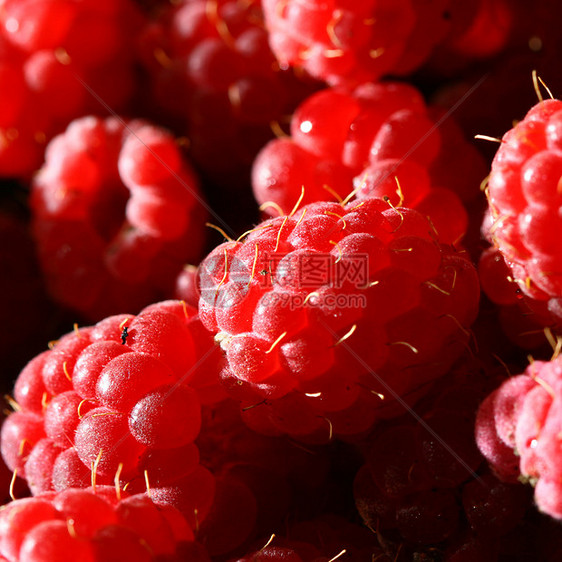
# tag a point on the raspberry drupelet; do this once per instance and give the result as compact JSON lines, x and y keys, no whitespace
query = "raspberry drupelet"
{"x":524,"y":206}
{"x":424,"y":484}
{"x":377,"y":140}
{"x":330,"y":316}
{"x":518,"y":430}
{"x":212,"y":77}
{"x":117,"y":211}
{"x":92,"y":525}
{"x":344,"y":42}
{"x":60,"y":58}
{"x":121,"y":400}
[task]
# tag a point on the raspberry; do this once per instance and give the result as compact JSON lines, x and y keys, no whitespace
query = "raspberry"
{"x":213,"y":78}
{"x":115,"y":215}
{"x":523,"y":199}
{"x":83,"y":524}
{"x":186,"y":288}
{"x":417,"y":515}
{"x":523,"y":416}
{"x":119,"y":399}
{"x":368,"y":269}
{"x":493,"y":507}
{"x":350,"y":44}
{"x":54,"y":55}
{"x":495,"y":278}
{"x":415,"y":474}
{"x":498,"y":454}
{"x":382,"y":141}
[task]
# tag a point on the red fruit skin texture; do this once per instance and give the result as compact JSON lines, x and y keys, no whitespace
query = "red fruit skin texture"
{"x":524,"y":416}
{"x":351,"y":43}
{"x":20,"y":432}
{"x":120,"y":405}
{"x":116,"y":214}
{"x":524,"y":201}
{"x":375,"y":140}
{"x":349,"y":340}
{"x":498,"y":454}
{"x":213,"y":78}
{"x":343,"y":43}
{"x":90,"y":524}
{"x":51,"y":54}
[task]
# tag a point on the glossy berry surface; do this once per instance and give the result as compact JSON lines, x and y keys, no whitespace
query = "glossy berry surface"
{"x":376,"y":140}
{"x":334,"y":313}
{"x":328,"y":384}
{"x":117,"y":401}
{"x":524,"y":202}
{"x":349,"y":43}
{"x":214,"y":80}
{"x":91,"y":524}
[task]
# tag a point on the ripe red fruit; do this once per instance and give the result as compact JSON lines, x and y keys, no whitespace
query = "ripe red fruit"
{"x":116,"y":213}
{"x":342,"y":42}
{"x":118,"y":400}
{"x":213,"y":78}
{"x":522,"y":420}
{"x":60,"y":59}
{"x":377,"y":140}
{"x":377,"y":308}
{"x":417,"y":469}
{"x":524,"y":200}
{"x":91,"y":524}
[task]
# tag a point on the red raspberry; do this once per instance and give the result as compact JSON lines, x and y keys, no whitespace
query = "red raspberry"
{"x":186,"y":288}
{"x":520,"y":318}
{"x":342,"y":42}
{"x":495,"y":278}
{"x":92,"y":524}
{"x":523,"y":417}
{"x":60,"y":58}
{"x":120,"y":400}
{"x":377,"y":140}
{"x":524,"y":201}
{"x":214,"y":79}
{"x":116,"y":214}
{"x":310,"y":306}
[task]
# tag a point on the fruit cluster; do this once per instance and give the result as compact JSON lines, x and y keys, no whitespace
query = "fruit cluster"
{"x":291,"y":285}
{"x":115,"y":215}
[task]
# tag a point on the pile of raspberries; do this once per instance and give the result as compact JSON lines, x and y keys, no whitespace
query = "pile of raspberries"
{"x":281,"y":281}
